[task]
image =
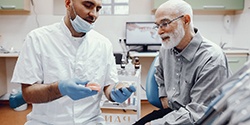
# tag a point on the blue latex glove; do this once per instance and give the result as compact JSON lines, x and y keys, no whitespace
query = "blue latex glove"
{"x":75,"y":89}
{"x":122,"y":94}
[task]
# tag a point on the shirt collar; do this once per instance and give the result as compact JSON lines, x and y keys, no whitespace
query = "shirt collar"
{"x":189,"y":52}
{"x":67,"y":32}
{"x":64,"y":28}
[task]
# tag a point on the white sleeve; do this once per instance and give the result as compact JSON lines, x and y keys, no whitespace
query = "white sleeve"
{"x":28,"y":68}
{"x":111,"y":76}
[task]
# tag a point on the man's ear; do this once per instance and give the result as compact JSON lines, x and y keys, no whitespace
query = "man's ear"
{"x":67,"y":4}
{"x":187,"y":19}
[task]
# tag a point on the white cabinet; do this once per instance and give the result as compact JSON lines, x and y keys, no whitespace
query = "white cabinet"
{"x":6,"y":72}
{"x":3,"y":81}
{"x":128,"y":112}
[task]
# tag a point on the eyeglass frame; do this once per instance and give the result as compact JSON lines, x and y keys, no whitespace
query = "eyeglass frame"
{"x":165,"y":24}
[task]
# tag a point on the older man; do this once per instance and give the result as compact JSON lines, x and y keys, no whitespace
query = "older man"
{"x":189,"y":68}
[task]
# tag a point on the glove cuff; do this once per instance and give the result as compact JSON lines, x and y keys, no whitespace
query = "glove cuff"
{"x":110,"y":96}
{"x":61,"y":88}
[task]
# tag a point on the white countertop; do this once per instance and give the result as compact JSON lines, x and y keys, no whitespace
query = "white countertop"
{"x":153,"y":54}
{"x":237,"y":52}
{"x":9,"y":54}
{"x":144,"y":54}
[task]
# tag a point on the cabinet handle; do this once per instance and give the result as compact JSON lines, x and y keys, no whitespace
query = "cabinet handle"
{"x":8,"y":7}
{"x":233,"y":61}
{"x":214,"y":7}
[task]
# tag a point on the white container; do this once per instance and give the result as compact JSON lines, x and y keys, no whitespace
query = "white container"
{"x":130,"y":69}
{"x":16,"y":101}
{"x":22,"y":107}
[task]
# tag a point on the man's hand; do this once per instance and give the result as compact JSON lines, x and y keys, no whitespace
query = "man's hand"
{"x":164,"y":102}
{"x":75,"y":89}
{"x":121,"y":94}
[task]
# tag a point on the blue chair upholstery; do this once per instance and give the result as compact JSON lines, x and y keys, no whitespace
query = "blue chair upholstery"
{"x":152,"y":87}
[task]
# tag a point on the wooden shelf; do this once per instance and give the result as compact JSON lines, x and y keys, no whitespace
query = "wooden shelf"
{"x":15,"y":7}
{"x":14,"y":12}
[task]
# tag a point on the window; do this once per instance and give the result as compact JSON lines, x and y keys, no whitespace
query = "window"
{"x":115,"y":7}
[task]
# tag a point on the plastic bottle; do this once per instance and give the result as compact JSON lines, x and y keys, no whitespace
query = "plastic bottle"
{"x":130,"y":67}
{"x":16,"y":101}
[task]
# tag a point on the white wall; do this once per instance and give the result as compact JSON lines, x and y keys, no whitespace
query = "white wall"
{"x":13,"y":28}
{"x":241,"y":35}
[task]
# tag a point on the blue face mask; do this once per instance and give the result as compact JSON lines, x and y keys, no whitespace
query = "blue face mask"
{"x":80,"y":25}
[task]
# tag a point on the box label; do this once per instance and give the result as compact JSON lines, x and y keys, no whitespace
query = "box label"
{"x":119,"y":119}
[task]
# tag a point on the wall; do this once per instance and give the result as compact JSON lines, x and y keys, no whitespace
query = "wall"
{"x":241,"y":37}
{"x":13,"y":28}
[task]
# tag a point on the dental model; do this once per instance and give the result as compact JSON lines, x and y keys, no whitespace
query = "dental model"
{"x":94,"y":86}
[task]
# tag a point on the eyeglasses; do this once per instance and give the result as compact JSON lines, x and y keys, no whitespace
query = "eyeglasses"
{"x":165,"y":24}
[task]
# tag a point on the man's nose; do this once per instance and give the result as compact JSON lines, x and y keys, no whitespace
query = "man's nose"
{"x":93,"y":13}
{"x":160,"y":31}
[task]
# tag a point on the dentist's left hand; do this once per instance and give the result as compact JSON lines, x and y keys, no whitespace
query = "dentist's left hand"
{"x":122,"y":94}
{"x":75,"y":89}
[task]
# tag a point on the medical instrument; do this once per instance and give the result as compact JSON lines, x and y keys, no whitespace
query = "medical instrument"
{"x":224,"y":91}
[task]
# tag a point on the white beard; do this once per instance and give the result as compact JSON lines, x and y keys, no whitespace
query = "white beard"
{"x":174,"y":37}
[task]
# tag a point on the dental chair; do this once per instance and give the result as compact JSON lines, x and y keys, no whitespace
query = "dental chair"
{"x":152,"y":87}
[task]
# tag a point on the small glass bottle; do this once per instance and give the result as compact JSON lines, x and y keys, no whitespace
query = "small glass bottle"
{"x":137,"y":63}
{"x":123,"y":65}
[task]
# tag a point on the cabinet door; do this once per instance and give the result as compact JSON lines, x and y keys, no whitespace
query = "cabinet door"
{"x":3,"y":80}
{"x":157,"y":3}
{"x":236,"y":62}
{"x":216,"y":4}
{"x":210,"y":4}
{"x":14,"y":4}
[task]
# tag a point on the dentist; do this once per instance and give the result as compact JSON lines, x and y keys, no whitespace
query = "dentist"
{"x":65,"y":68}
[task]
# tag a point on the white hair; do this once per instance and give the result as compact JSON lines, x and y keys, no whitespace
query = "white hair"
{"x":179,"y":7}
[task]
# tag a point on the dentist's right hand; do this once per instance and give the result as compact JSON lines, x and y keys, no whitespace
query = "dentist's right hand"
{"x":75,"y":89}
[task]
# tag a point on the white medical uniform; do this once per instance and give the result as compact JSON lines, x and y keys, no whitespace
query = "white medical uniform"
{"x":50,"y":54}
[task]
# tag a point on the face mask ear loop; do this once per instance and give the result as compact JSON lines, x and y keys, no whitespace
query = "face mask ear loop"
{"x":73,"y":9}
